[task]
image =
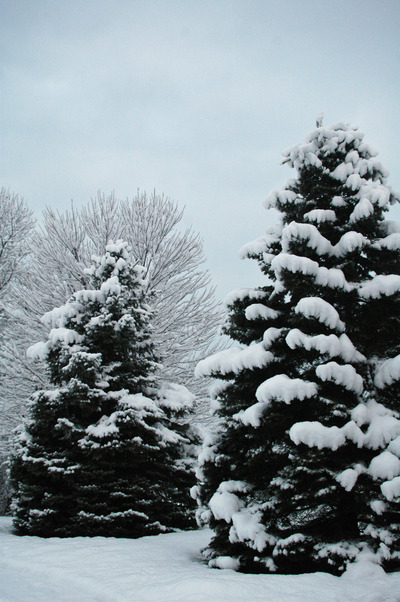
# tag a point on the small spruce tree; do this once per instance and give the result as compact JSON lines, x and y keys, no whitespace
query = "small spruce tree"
{"x":107,"y":451}
{"x":303,"y":472}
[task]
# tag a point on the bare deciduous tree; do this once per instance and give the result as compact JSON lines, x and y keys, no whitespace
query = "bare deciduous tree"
{"x":16,"y":224}
{"x":186,"y":313}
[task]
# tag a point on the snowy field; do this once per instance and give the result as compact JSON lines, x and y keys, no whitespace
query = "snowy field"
{"x":163,"y":568}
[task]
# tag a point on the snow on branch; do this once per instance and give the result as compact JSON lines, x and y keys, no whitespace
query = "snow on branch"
{"x":362,"y":210}
{"x":330,"y":277}
{"x":345,"y":376}
{"x":348,"y":477}
{"x":283,"y":388}
{"x":331,"y":344}
{"x":384,"y":466}
{"x":383,"y":426}
{"x":388,"y":372}
{"x":315,"y":434}
{"x":247,"y":526}
{"x":258,"y":311}
{"x":224,"y":503}
{"x":349,"y":242}
{"x":391,"y":489}
{"x":321,"y":310}
{"x":234,"y":360}
{"x":319,"y":216}
{"x":241,"y":294}
{"x":380,"y":286}
{"x":390,"y":242}
{"x":284,"y":197}
{"x":277,"y":388}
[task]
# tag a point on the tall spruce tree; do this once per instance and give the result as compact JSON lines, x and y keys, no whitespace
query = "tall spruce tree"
{"x":303,"y":472}
{"x":107,"y":451}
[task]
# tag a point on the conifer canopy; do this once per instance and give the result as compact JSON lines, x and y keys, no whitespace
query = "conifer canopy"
{"x":303,"y":471}
{"x":106,"y":451}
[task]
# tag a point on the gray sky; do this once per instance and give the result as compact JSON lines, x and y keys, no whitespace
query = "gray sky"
{"x":196,"y":99}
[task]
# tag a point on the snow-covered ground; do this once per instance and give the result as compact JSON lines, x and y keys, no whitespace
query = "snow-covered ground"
{"x":163,"y":568}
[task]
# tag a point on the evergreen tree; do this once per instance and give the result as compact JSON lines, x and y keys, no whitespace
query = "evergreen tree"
{"x":107,"y":451}
{"x":303,"y":472}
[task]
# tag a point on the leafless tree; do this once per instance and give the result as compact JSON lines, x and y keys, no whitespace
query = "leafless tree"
{"x":16,"y":225}
{"x":186,"y":314}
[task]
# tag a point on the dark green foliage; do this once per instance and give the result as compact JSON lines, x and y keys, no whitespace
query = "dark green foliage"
{"x":107,"y":452}
{"x":309,"y":417}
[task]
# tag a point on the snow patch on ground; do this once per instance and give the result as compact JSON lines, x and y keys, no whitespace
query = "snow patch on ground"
{"x":163,"y":568}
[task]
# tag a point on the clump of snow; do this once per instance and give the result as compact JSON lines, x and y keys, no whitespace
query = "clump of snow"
{"x":320,"y":216}
{"x":362,"y":210}
{"x":258,"y":311}
{"x":241,"y":294}
{"x":385,"y":466}
{"x":287,"y":542}
{"x":391,"y":489}
{"x":342,"y":172}
{"x":174,"y":397}
{"x":330,"y":277}
{"x":315,"y":307}
{"x":381,"y":431}
{"x":270,"y":335}
{"x":382,"y":285}
{"x":255,"y":247}
{"x":234,"y":360}
{"x":277,"y":388}
{"x":345,"y":376}
{"x":59,"y":316}
{"x":224,"y":562}
{"x":224,"y":503}
{"x":120,"y":247}
{"x":283,"y":388}
{"x":366,"y":569}
{"x":390,"y":242}
{"x":378,"y":506}
{"x":284,"y":197}
{"x":383,"y":425}
{"x":247,"y":527}
{"x":349,"y":242}
{"x":353,"y":433}
{"x":104,"y":428}
{"x":111,"y":286}
{"x":342,"y":549}
{"x":219,"y":387}
{"x":331,"y":344}
{"x":315,"y":434}
{"x":307,"y":232}
{"x":377,"y":193}
{"x":394,"y":447}
{"x":38,"y":351}
{"x":64,"y":335}
{"x":263,"y":243}
{"x":353,"y":181}
{"x":348,"y":478}
{"x":388,"y":372}
{"x":338,"y":201}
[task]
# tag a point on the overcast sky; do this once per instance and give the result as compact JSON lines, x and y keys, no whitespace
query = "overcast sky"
{"x":195,"y":99}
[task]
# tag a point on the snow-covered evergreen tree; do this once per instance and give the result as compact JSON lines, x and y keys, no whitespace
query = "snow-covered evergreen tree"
{"x":304,"y":471}
{"x":107,"y":451}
